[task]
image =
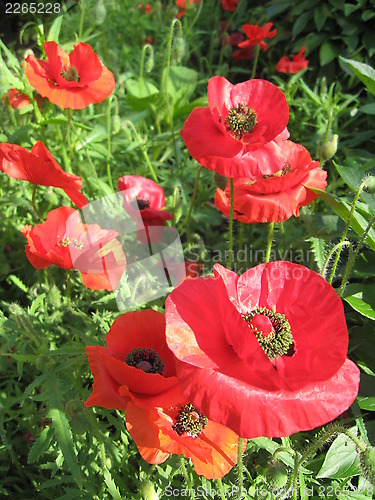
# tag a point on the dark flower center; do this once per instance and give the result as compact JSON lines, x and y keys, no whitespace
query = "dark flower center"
{"x":189,"y":420}
{"x":272,"y":331}
{"x":240,"y":120}
{"x":71,"y":242}
{"x":142,"y":204}
{"x":70,"y":74}
{"x":144,"y":359}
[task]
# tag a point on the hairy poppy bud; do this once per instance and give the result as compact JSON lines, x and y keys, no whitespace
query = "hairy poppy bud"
{"x":277,"y":475}
{"x":147,"y":491}
{"x":369,"y":187}
{"x":329,"y":148}
{"x":179,"y":48}
{"x":100,"y":12}
{"x":367,"y":461}
{"x":115,"y":124}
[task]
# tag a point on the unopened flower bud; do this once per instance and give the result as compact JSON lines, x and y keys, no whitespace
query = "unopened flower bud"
{"x":100,"y":12}
{"x":277,"y":475}
{"x":369,"y":187}
{"x":115,"y":124}
{"x":147,"y":491}
{"x":329,"y":148}
{"x":178,"y":48}
{"x":367,"y":461}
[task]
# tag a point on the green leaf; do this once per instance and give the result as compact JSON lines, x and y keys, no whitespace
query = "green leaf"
{"x":328,"y":52}
{"x":363,"y":71}
{"x":341,"y":461}
{"x":65,"y":441}
{"x":358,"y":223}
{"x":112,"y":488}
{"x":362,"y":298}
{"x":36,"y":304}
{"x":41,"y":445}
{"x":54,"y":31}
{"x":181,"y":83}
{"x":16,"y":281}
{"x":140,"y":89}
{"x":366,"y":403}
{"x":301,"y":23}
{"x":318,"y":247}
{"x":270,"y":445}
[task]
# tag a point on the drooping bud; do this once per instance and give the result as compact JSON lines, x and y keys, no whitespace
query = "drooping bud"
{"x":100,"y":12}
{"x":329,"y":148}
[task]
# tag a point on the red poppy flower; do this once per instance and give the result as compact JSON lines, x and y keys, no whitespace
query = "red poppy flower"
{"x":292,"y":64}
{"x":263,"y":353}
{"x":135,"y":366}
{"x":183,"y":430}
{"x":16,"y":99}
{"x":40,"y":167}
{"x":279,"y":196}
{"x":229,"y":4}
{"x":62,"y":240}
{"x":182,"y":5}
{"x":237,"y":134}
{"x":147,"y":8}
{"x":70,"y":81}
{"x":144,"y":197}
{"x":256,"y":34}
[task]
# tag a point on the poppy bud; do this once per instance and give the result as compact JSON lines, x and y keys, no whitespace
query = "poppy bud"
{"x":179,"y":48}
{"x":369,"y":187}
{"x":100,"y":12}
{"x":367,"y":461}
{"x":277,"y":475}
{"x":115,"y":124}
{"x":147,"y":491}
{"x":329,"y":148}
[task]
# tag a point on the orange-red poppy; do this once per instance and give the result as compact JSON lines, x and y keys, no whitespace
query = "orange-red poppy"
{"x":62,"y":240}
{"x":183,"y":430}
{"x":73,"y":80}
{"x":40,"y":167}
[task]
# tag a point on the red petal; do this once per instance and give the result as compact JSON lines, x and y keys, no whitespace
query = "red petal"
{"x":86,"y":62}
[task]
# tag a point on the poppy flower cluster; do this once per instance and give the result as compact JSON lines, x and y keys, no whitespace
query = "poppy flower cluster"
{"x":181,"y":4}
{"x":136,"y":372}
{"x":64,"y":241}
{"x":73,"y":80}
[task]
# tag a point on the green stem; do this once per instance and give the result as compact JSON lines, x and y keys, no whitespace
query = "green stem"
{"x":346,"y":229}
{"x":146,"y":48}
{"x":194,"y":195}
{"x":240,"y":469}
{"x":109,"y":173}
{"x":255,"y":62}
{"x":63,"y":149}
{"x":143,"y":149}
{"x":68,"y":288}
{"x":269,"y":242}
{"x":81,"y":4}
{"x":330,"y":255}
{"x":352,"y":259}
{"x":230,"y":258}
{"x":187,"y":478}
{"x":68,"y":132}
{"x":221,"y":488}
{"x":33,"y":204}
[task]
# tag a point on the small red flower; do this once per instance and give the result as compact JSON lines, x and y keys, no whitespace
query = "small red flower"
{"x":238,"y":134}
{"x":182,"y":6}
{"x":144,"y":198}
{"x":229,"y":4}
{"x":16,"y":99}
{"x":62,"y":240}
{"x":147,"y":8}
{"x":70,"y":81}
{"x":40,"y":167}
{"x":292,"y":64}
{"x":135,"y":366}
{"x":183,"y":430}
{"x":263,"y":353}
{"x":256,"y":35}
{"x":277,"y":197}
